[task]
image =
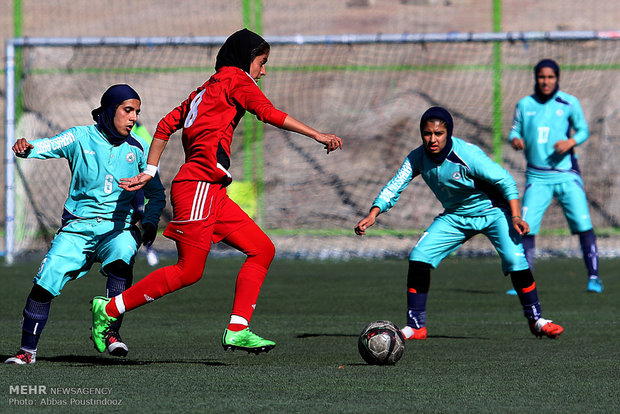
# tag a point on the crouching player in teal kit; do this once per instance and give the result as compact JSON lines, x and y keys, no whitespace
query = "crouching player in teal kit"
{"x":479,"y":196}
{"x":541,"y":128}
{"x":97,"y":217}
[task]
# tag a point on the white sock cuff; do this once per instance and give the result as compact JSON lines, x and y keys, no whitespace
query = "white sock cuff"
{"x":240,"y":320}
{"x":407,"y":331}
{"x":32,"y":351}
{"x":120,"y":303}
{"x":541,"y":322}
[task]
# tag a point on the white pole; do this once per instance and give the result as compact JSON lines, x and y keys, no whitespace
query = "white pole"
{"x":10,"y":159}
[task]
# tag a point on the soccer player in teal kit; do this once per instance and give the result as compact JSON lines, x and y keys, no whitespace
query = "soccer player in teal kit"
{"x":97,"y":221}
{"x":479,"y":196}
{"x":542,"y":129}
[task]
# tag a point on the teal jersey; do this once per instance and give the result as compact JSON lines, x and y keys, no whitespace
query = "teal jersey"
{"x":467,"y":182}
{"x":96,"y":168}
{"x":541,"y":125}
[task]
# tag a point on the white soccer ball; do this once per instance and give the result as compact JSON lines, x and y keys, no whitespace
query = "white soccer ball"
{"x":381,"y":343}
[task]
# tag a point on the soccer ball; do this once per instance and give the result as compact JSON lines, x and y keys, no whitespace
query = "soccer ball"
{"x":381,"y":343}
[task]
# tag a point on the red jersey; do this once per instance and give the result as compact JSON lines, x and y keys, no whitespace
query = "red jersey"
{"x":208,"y":118}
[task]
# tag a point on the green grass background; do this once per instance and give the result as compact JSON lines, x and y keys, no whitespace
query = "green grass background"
{"x":479,"y":357}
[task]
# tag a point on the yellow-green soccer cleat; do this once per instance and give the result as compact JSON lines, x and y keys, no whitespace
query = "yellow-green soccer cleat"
{"x":101,"y":323}
{"x":246,"y":340}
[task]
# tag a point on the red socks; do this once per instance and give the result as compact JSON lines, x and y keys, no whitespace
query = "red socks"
{"x":187,"y":271}
{"x":249,"y":282}
{"x":250,"y":239}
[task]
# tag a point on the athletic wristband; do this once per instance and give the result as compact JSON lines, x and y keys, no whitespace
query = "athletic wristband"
{"x":150,"y":170}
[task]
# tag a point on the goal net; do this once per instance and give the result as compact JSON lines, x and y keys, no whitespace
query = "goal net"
{"x":368,"y":90}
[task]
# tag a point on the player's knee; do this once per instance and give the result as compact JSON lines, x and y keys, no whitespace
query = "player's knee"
{"x":190,"y":277}
{"x":267,"y":252}
{"x":184,"y":274}
{"x":262,"y":253}
{"x":40,"y":294}
{"x":119,"y":269}
{"x":419,"y":276}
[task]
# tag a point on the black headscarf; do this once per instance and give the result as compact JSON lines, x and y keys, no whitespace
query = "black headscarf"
{"x":439,"y":113}
{"x":546,"y":63}
{"x":104,"y":115}
{"x":237,"y":50}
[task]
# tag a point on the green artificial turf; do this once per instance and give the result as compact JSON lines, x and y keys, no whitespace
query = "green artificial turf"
{"x":479,"y":356}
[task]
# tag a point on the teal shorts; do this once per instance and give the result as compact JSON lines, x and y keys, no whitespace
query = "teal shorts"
{"x":448,"y":232}
{"x":570,"y":195}
{"x":81,"y":243}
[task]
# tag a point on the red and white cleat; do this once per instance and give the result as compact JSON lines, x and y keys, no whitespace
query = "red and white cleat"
{"x":22,"y":358}
{"x":545,"y":327}
{"x":412,"y":333}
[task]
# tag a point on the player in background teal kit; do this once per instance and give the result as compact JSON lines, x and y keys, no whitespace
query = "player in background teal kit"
{"x":478,"y":196}
{"x":542,"y":128}
{"x":97,"y":221}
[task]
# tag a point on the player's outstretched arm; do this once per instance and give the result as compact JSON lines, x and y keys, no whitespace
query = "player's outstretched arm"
{"x":134,"y":183}
{"x":139,"y":181}
{"x":22,"y":147}
{"x":367,"y":221}
{"x":330,"y":141}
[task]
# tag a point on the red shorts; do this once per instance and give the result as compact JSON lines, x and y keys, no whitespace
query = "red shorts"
{"x":203,"y":214}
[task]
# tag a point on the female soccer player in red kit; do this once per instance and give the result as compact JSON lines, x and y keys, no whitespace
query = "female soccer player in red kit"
{"x":203,"y":213}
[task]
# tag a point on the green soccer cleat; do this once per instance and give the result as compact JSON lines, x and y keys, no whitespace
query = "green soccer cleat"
{"x":246,"y":340}
{"x":101,"y":323}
